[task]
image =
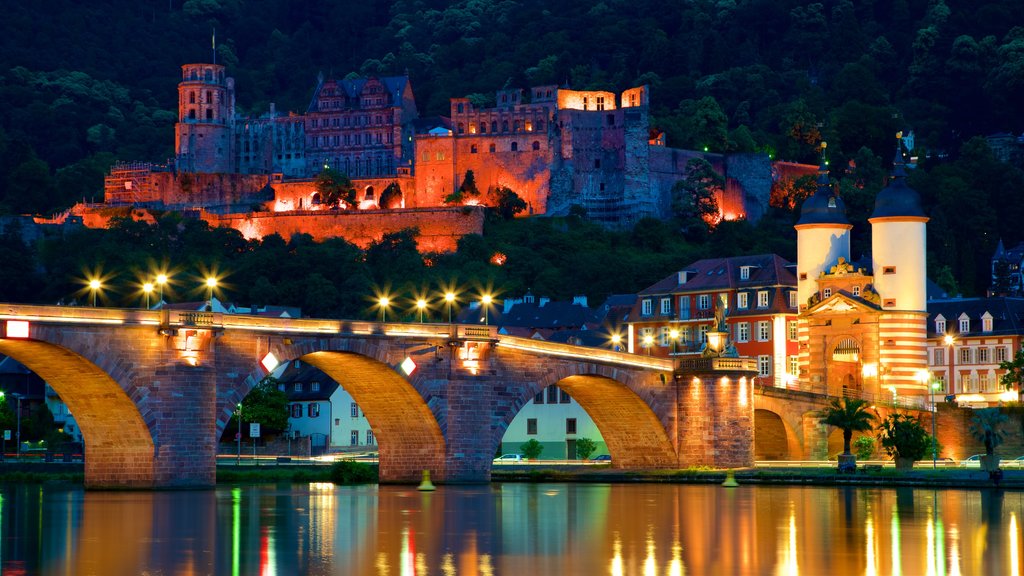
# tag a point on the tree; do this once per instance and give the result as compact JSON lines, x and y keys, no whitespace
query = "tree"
{"x":1014,"y":377}
{"x":391,"y":197}
{"x":903,"y":436}
{"x":865,"y":447}
{"x":585,"y":447}
{"x":466,"y":191}
{"x":849,"y":415}
{"x":335,"y":187}
{"x":531,"y":450}
{"x":506,"y":202}
{"x":1002,"y":279}
{"x":986,"y":427}
{"x":694,"y":199}
{"x":267,"y":405}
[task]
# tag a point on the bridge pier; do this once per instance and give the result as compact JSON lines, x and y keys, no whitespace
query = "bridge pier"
{"x":715,"y":404}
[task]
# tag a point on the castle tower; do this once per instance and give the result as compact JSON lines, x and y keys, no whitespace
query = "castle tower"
{"x":822,"y":235}
{"x":898,"y":260}
{"x":206,"y":112}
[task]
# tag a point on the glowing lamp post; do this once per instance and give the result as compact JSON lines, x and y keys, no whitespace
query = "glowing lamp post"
{"x":147,"y":288}
{"x":161,"y":279}
{"x":421,"y":304}
{"x":211,"y":283}
{"x":949,"y":341}
{"x":449,"y":298}
{"x":238,"y":435}
{"x":94,"y":287}
{"x":648,"y":343}
{"x":383,"y":302}
{"x":674,"y":336}
{"x":616,"y":341}
{"x":486,"y":302}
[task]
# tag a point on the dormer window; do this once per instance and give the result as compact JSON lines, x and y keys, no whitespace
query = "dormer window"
{"x":965,"y":323}
{"x":741,"y":300}
{"x":762,"y":299}
{"x":744,"y":272}
{"x":986,"y":322}
{"x":666,"y":306}
{"x":826,"y":293}
{"x":646,"y":307}
{"x":940,"y":324}
{"x":856,"y":290}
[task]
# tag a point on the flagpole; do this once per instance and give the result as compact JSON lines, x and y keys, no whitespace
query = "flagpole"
{"x":214,"y":45}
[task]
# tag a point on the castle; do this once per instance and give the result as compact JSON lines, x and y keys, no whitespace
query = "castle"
{"x":555,"y":148}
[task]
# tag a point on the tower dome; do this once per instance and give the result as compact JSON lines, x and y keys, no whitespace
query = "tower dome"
{"x":824,"y":206}
{"x":897,"y":199}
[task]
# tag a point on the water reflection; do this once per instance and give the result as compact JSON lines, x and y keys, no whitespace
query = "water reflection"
{"x":510,"y":529}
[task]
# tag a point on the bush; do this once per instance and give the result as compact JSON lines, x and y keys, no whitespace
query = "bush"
{"x":903,"y":436}
{"x":585,"y":447}
{"x":349,"y":472}
{"x":864,"y":447}
{"x":531,"y":450}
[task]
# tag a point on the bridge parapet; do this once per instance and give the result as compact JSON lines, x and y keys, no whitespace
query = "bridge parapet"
{"x":587,"y":354}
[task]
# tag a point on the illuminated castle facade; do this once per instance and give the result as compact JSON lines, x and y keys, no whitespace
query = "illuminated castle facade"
{"x":862,"y":329}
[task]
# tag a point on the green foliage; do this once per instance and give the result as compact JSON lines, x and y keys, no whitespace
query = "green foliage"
{"x":506,"y":203}
{"x":849,"y":415}
{"x":585,"y":447}
{"x":864,"y":447}
{"x":335,"y":187}
{"x":349,"y":472}
{"x":391,"y":197}
{"x":903,"y":436}
{"x":694,"y":200}
{"x":987,"y":428}
{"x":531,"y":449}
{"x":1014,"y":376}
{"x":267,"y":405}
{"x":466,"y":191}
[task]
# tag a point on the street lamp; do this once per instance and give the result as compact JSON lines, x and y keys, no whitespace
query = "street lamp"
{"x":648,"y":343}
{"x":383,"y":303}
{"x":936,"y":386}
{"x":94,"y":286}
{"x":949,"y":341}
{"x":421,"y":304}
{"x":674,"y":335}
{"x":238,"y":435}
{"x":449,"y":297}
{"x":147,"y":288}
{"x":616,"y":340}
{"x":486,"y":300}
{"x":161,"y":279}
{"x":17,"y":436}
{"x":211,"y":283}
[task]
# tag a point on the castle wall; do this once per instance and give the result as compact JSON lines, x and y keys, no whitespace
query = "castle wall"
{"x":298,"y":194}
{"x":440,"y":228}
{"x":435,"y":170}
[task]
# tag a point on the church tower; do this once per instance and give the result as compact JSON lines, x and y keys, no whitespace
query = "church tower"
{"x":898,"y":261}
{"x":206,"y":112}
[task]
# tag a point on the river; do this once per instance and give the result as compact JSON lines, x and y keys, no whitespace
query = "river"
{"x":515,"y":529}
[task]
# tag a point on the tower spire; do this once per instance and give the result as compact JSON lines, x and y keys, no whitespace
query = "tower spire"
{"x":898,"y":163}
{"x":214,"y":40}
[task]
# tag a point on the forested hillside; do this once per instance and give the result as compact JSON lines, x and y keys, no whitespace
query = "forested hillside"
{"x":83,"y":83}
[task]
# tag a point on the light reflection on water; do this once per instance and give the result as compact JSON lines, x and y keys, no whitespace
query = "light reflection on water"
{"x":511,"y":529}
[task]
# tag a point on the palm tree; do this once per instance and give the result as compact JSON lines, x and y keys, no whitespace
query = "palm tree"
{"x":985,"y":427}
{"x":850,"y":415}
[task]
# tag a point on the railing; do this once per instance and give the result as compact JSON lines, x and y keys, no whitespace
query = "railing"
{"x":203,"y":319}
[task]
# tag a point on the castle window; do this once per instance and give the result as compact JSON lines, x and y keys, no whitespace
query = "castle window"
{"x":764,"y":366}
{"x":856,"y":290}
{"x":529,"y":126}
{"x":540,"y":124}
{"x":491,"y":148}
{"x":483,"y":127}
{"x":515,"y":126}
{"x":504,"y":126}
{"x":472,"y":128}
{"x":472,"y":149}
{"x":536,"y":145}
{"x":191,"y":97}
{"x":600,"y":102}
{"x":597,"y":162}
{"x":585,"y":102}
{"x":192,"y":114}
{"x":514,"y":147}
{"x":494,"y":126}
{"x":209,"y":97}
{"x":611,"y":119}
{"x":888,"y":269}
{"x":462,"y":128}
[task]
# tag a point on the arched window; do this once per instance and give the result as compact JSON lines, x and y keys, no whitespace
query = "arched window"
{"x":504,"y":126}
{"x":515,"y":126}
{"x":536,"y":145}
{"x":515,"y":146}
{"x":192,"y":114}
{"x":846,"y":351}
{"x":209,"y":113}
{"x":472,"y":149}
{"x":491,"y":148}
{"x":191,"y":97}
{"x":494,"y":126}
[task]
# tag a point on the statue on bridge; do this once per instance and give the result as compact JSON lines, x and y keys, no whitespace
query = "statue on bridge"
{"x":717,"y":343}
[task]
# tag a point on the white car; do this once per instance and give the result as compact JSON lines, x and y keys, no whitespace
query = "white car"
{"x":509,"y":459}
{"x":973,"y":461}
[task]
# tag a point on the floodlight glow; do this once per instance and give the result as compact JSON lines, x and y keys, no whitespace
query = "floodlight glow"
{"x":270,"y":362}
{"x":17,"y":329}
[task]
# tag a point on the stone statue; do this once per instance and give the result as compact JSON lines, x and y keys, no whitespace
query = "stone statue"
{"x":721,"y":313}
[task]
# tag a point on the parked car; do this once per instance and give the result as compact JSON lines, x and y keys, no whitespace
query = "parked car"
{"x":973,"y":461}
{"x":1017,"y":462}
{"x":509,"y":459}
{"x":601,"y":458}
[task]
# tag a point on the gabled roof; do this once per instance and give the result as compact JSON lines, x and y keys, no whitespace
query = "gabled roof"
{"x":1007,"y":315}
{"x":353,"y":88}
{"x":554,"y":315}
{"x":724,"y":273}
{"x":842,"y":302}
{"x":306,"y":375}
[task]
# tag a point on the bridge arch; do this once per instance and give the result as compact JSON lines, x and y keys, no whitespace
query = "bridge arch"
{"x":406,"y":429}
{"x":119,"y":447}
{"x":778,"y":430}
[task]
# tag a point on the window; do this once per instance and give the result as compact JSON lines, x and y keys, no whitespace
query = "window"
{"x":764,"y":331}
{"x":355,"y":410}
{"x":535,"y":145}
{"x":297,"y":387}
{"x":644,"y":333}
{"x":663,"y":336}
{"x":983,"y":382}
{"x":314,"y":387}
{"x":337,"y":421}
{"x":791,"y":330}
{"x":764,"y":365}
{"x":794,"y":366}
{"x":965,"y":324}
{"x":983,"y":355}
{"x":744,"y":272}
{"x":552,"y":394}
{"x":704,"y":301}
{"x":514,"y":147}
{"x":472,"y":149}
{"x":965,"y":355}
{"x":531,"y":426}
{"x":1000,"y":354}
{"x":856,"y":290}
{"x":296,"y":410}
{"x":353,"y":438}
{"x":762,"y":298}
{"x":563,"y":396}
{"x":646,"y":307}
{"x":314,"y":409}
{"x":741,"y":300}
{"x":938,"y":357}
{"x":888,"y":269}
{"x":742,"y":331}
{"x":702,"y":332}
{"x":539,"y":398}
{"x":940,"y":325}
{"x":666,"y":306}
{"x":986,"y":323}
{"x":826,"y":293}
{"x":792,"y":299}
{"x":570,"y":425}
{"x":369,"y":438}
{"x":684,"y":308}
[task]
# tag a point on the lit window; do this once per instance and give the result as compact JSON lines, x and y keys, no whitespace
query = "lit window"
{"x":663,"y":336}
{"x":744,"y":272}
{"x":1000,"y":354}
{"x":792,"y":330}
{"x":794,"y":366}
{"x":704,"y":301}
{"x":983,"y":355}
{"x":856,"y":290}
{"x":666,"y":306}
{"x":646,"y":307}
{"x":742,"y":331}
{"x":764,"y":331}
{"x":741,"y":300}
{"x":986,"y":323}
{"x":762,"y":298}
{"x":826,"y":293}
{"x":764,"y":365}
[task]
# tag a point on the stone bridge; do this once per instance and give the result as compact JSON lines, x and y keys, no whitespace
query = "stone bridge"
{"x":152,"y":390}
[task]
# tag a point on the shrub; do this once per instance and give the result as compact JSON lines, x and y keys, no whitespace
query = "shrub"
{"x":531,"y":450}
{"x":349,"y":472}
{"x":864,"y":447}
{"x":903,"y":436}
{"x":986,"y":427}
{"x":585,"y":447}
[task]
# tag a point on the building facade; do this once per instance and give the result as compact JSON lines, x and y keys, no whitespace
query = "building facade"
{"x":756,"y":296}
{"x":555,"y":420}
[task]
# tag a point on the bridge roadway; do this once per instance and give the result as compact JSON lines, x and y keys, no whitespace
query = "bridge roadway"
{"x":152,"y":391}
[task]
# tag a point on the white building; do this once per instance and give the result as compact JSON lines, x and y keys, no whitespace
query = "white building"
{"x":555,"y":420}
{"x":323,"y":410}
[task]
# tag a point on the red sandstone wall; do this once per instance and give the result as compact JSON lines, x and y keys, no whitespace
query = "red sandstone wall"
{"x":953,"y":427}
{"x":440,"y":228}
